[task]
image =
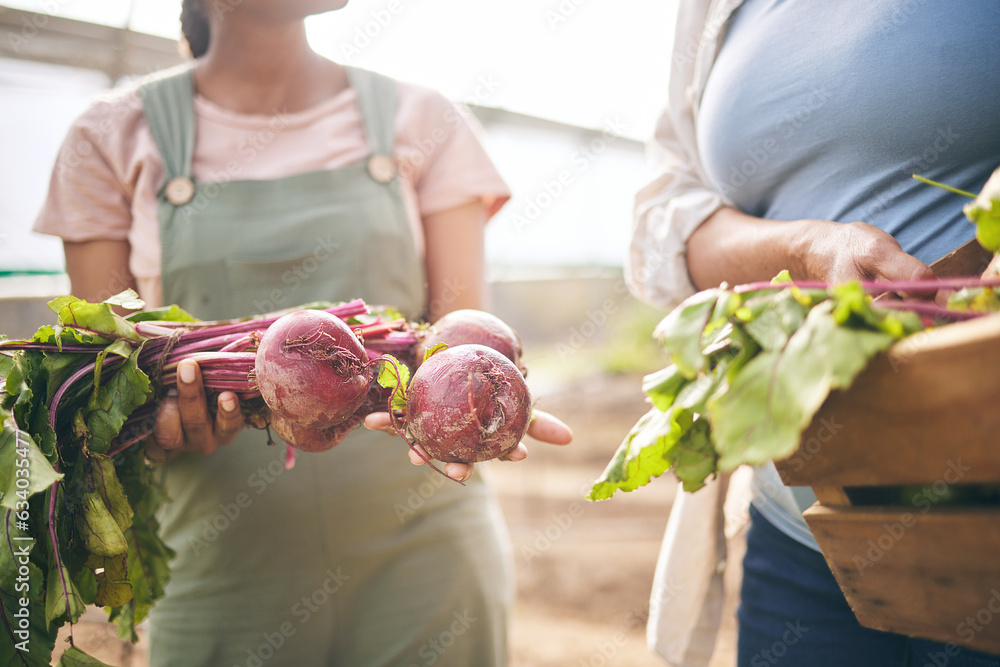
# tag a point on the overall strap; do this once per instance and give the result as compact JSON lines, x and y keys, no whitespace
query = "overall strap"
{"x":168,"y":104}
{"x":377,"y":101}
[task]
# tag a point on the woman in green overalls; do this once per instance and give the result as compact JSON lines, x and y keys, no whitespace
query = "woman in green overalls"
{"x":354,"y":557}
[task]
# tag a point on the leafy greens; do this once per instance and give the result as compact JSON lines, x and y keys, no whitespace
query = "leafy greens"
{"x":78,"y":526}
{"x":749,"y":370}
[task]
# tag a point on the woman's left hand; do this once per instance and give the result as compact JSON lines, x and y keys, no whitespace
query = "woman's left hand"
{"x":543,"y":427}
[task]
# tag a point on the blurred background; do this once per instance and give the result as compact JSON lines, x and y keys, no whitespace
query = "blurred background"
{"x":567,"y":91}
{"x":560,"y":85}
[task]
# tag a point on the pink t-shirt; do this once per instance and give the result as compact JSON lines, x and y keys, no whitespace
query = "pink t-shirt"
{"x":108,"y":171}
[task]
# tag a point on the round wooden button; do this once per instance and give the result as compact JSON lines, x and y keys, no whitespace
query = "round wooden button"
{"x":382,"y":168}
{"x":179,"y":190}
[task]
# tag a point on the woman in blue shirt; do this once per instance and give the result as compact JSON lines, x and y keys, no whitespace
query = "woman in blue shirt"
{"x":790,"y":142}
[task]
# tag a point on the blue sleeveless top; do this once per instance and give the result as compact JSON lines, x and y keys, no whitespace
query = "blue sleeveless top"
{"x":825,"y":110}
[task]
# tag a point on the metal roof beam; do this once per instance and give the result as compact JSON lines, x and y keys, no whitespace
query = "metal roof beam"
{"x":57,"y":40}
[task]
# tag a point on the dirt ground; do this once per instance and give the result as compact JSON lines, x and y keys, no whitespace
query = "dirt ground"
{"x":584,"y":570}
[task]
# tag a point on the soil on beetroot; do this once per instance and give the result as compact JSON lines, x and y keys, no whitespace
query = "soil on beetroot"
{"x":584,"y":570}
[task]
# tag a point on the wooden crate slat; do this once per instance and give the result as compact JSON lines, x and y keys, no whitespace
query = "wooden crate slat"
{"x":969,"y":259}
{"x":919,"y":574}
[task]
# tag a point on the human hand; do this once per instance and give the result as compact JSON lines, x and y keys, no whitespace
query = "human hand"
{"x":184,"y":423}
{"x":838,"y":252}
{"x":737,"y":248}
{"x":993,"y":270}
{"x":543,"y":427}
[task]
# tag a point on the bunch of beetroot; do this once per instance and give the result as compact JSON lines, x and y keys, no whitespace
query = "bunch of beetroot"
{"x":305,"y":373}
{"x":77,"y":398}
{"x":313,"y":375}
{"x":466,"y":402}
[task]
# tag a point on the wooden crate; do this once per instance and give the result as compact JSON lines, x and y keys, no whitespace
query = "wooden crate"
{"x":931,"y":401}
{"x":926,"y":413}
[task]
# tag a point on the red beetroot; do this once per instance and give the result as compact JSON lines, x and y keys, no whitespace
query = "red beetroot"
{"x":307,"y":439}
{"x":312,"y":369}
{"x":463,"y":327}
{"x":467,"y":403}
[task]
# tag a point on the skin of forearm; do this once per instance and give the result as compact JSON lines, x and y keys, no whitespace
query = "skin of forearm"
{"x":733,"y":247}
{"x":455,"y":260}
{"x":98,"y":269}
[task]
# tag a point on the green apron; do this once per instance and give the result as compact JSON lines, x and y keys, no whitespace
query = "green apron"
{"x":355,"y":557}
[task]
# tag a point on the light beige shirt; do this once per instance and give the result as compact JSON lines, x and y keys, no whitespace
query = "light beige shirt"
{"x":679,"y":197}
{"x":689,"y":599}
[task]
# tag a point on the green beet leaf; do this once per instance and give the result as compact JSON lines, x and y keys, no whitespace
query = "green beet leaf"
{"x":25,"y":384}
{"x":16,"y":544}
{"x":662,"y":386}
{"x":24,"y":470}
{"x":74,"y":657}
{"x":984,"y":212}
{"x":148,"y":571}
{"x":19,"y":647}
{"x":61,"y":595}
{"x":775,"y":396}
{"x":680,"y":332}
{"x":853,"y":309}
{"x":643,"y":455}
{"x":100,"y":474}
{"x":86,"y":585}
{"x":58,"y":368}
{"x":975,"y":299}
{"x":434,"y":349}
{"x":694,"y":459}
{"x":6,"y":363}
{"x":113,"y":586}
{"x":772,"y":318}
{"x":109,"y":551}
{"x":112,"y":403}
{"x":396,"y":376}
{"x":172,"y":313}
{"x":61,"y":335}
{"x":148,"y":557}
{"x":18,"y":549}
{"x":670,"y":435}
{"x":128,"y":300}
{"x":696,"y":393}
{"x":98,"y":528}
{"x":13,"y":378}
{"x":98,"y":318}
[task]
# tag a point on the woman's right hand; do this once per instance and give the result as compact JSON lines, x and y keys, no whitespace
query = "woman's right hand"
{"x":184,"y":422}
{"x":838,"y":252}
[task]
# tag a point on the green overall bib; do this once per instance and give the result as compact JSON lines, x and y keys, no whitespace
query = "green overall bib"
{"x":355,"y":557}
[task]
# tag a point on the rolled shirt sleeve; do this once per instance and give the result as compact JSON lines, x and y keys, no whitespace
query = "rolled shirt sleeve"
{"x":443,"y":156}
{"x":87,"y":199}
{"x":680,"y":195}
